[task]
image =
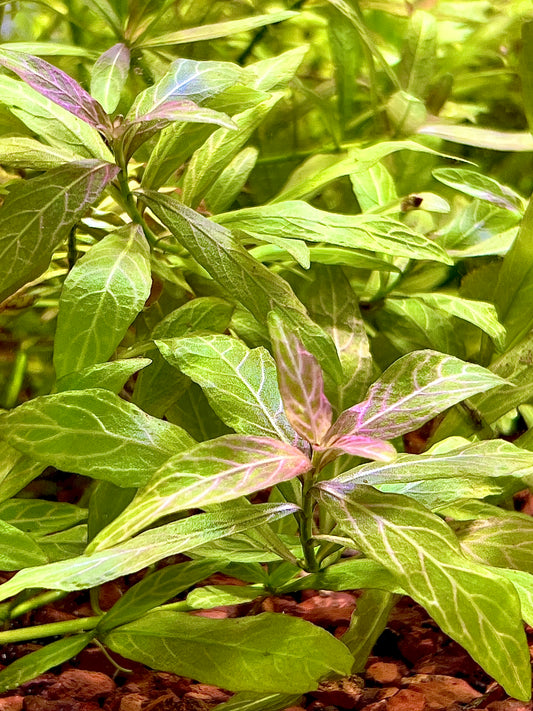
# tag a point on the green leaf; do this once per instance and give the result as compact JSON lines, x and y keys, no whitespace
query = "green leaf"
{"x":108,"y":376}
{"x":38,"y":214}
{"x":95,"y":433}
{"x":346,"y":53}
{"x":249,"y":701}
{"x":514,"y":288}
{"x":161,"y":385}
{"x":500,"y":542}
{"x":40,"y":516}
{"x":480,"y":313}
{"x":297,"y":219}
{"x":240,"y":384}
{"x":64,"y":544}
{"x":417,"y":66}
{"x":478,"y":609}
{"x":22,"y":152}
{"x":301,"y":382}
{"x":106,"y":503}
{"x":155,"y":589}
{"x":374,"y":188}
{"x":47,"y":49}
{"x":411,"y":391}
{"x":253,"y":285}
{"x":230,"y":182}
{"x":193,"y":412}
{"x":215,"y":471}
{"x":16,"y":471}
{"x":109,"y":75}
{"x":18,"y":549}
{"x":36,"y":663}
{"x":261,"y":653}
{"x":52,"y":122}
{"x":480,"y":186}
{"x":97,"y":568}
{"x":101,"y":297}
{"x":351,"y":574}
{"x":209,"y":596}
{"x":526,"y":70}
{"x":523,"y":584}
{"x":219,"y":29}
{"x":275,"y":72}
{"x":186,"y":79}
{"x":219,"y":150}
{"x":368,"y":622}
{"x":509,"y":141}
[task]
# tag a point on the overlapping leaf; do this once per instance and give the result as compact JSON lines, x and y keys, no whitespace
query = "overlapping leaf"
{"x":93,"y":432}
{"x":22,"y":152}
{"x":504,"y":543}
{"x":38,"y":214}
{"x":109,"y":75}
{"x":301,"y":383}
{"x":474,"y":606}
{"x":56,"y":85}
{"x":101,"y":296}
{"x":218,"y":470}
{"x":411,"y":391}
{"x":92,"y":569}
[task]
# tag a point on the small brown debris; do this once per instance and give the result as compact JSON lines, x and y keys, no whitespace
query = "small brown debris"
{"x":442,"y":691}
{"x":384,"y":673}
{"x":80,"y":685}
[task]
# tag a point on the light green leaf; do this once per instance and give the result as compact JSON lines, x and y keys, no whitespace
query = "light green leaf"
{"x":18,"y":549}
{"x":240,"y":384}
{"x":219,"y":150}
{"x":230,"y":182}
{"x":249,"y":282}
{"x":22,"y":152}
{"x":297,"y":219}
{"x":50,"y":121}
{"x":109,"y":75}
{"x":159,"y":387}
{"x":193,"y":412}
{"x":480,"y":186}
{"x":411,"y":391}
{"x":213,"y":472}
{"x":510,"y":141}
{"x":351,"y":574}
{"x":38,"y":214}
{"x":250,"y":701}
{"x":261,"y":653}
{"x":101,"y":297}
{"x":155,"y":589}
{"x":16,"y":471}
{"x":97,"y":568}
{"x":107,"y":501}
{"x":419,"y":53}
{"x":209,"y":596}
{"x":64,"y":544}
{"x":523,"y":584}
{"x":40,"y":516}
{"x":275,"y":72}
{"x":373,"y":188}
{"x":36,"y":663}
{"x":109,"y":376}
{"x":526,"y":70}
{"x":95,"y":433}
{"x":475,"y":607}
{"x":47,"y":49}
{"x":219,"y":29}
{"x":480,"y":313}
{"x":500,"y":542}
{"x":186,"y":79}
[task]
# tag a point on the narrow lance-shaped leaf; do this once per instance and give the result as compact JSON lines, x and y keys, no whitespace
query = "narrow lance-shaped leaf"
{"x":23,"y":152}
{"x":240,"y":383}
{"x":97,"y":568}
{"x":218,"y":470}
{"x":358,"y":446}
{"x":110,"y":376}
{"x":526,"y":70}
{"x":101,"y":296}
{"x":253,"y":285}
{"x":300,"y":381}
{"x":186,"y":79}
{"x":513,"y":141}
{"x":480,"y":186}
{"x":38,"y":214}
{"x":411,"y":391}
{"x":500,"y":542}
{"x":95,"y":433}
{"x":19,"y":549}
{"x":109,"y":75}
{"x":258,"y":653}
{"x":474,"y":606}
{"x":57,"y":86}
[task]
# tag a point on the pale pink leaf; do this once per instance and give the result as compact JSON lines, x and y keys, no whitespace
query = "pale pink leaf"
{"x":301,"y":383}
{"x":359,"y":446}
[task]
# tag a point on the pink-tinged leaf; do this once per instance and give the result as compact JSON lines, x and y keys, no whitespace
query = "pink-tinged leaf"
{"x":301,"y":382}
{"x":139,"y":130}
{"x":57,"y":86}
{"x":411,"y":392}
{"x":359,"y":446}
{"x":109,"y":75}
{"x":214,"y":471}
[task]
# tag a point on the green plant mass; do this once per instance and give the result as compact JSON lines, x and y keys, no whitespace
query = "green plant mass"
{"x":267,"y":282}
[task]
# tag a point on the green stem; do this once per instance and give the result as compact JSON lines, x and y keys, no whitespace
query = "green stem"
{"x":16,"y":379}
{"x":306,"y":524}
{"x":36,"y":601}
{"x":52,"y":629}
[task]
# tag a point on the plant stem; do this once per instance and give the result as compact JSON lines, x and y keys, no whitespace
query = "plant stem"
{"x":49,"y":630}
{"x":36,"y":601}
{"x":306,"y":524}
